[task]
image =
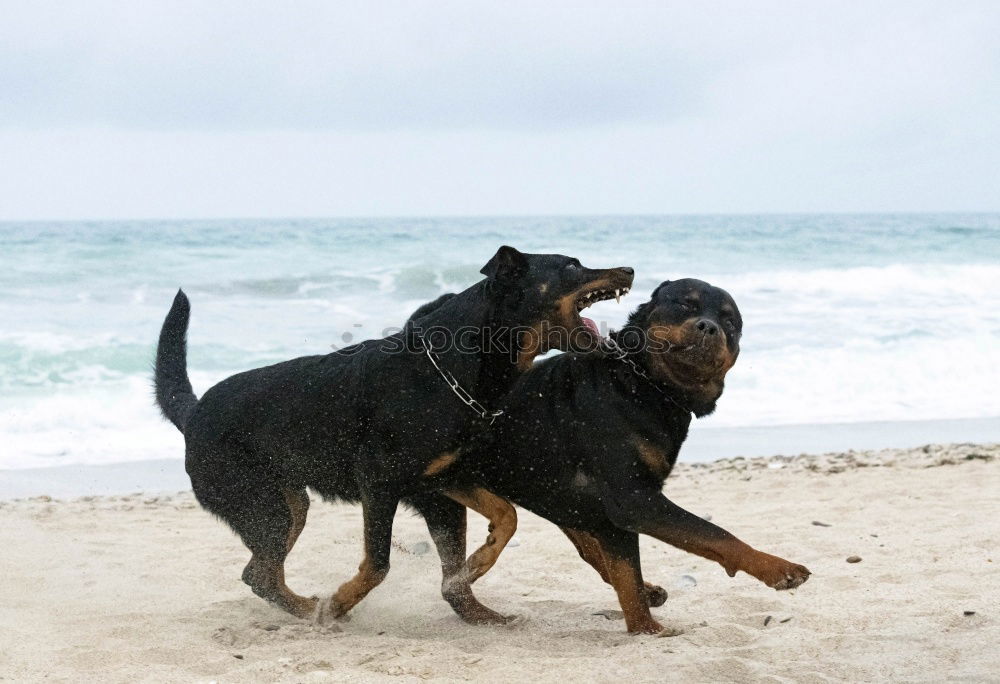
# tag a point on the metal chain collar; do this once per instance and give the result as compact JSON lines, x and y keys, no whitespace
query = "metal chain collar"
{"x":619,"y":354}
{"x":459,"y":391}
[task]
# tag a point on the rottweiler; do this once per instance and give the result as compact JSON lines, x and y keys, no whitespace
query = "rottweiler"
{"x":374,"y":422}
{"x":587,"y":440}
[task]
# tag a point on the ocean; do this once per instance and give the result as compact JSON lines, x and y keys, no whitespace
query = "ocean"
{"x":849,"y":320}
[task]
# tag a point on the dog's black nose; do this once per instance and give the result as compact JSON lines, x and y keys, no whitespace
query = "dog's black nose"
{"x":627,"y":269}
{"x":707,"y":326}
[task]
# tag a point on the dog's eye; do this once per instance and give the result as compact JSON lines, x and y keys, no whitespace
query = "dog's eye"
{"x":730,"y":324}
{"x":572,"y":265}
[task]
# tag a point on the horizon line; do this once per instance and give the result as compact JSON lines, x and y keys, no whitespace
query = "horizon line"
{"x":375,"y":217}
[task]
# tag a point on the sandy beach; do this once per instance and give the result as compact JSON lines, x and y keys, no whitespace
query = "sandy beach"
{"x":146,"y":588}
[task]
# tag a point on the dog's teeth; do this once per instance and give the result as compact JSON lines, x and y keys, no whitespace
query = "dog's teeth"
{"x":618,"y":296}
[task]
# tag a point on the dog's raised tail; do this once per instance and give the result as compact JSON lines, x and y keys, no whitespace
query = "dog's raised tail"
{"x":174,"y":394}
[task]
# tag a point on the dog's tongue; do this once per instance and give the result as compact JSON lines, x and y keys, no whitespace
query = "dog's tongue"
{"x":591,"y":326}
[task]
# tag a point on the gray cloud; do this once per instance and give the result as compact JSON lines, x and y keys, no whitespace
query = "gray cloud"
{"x":317,"y":108}
{"x":345,"y":65}
{"x":519,"y":65}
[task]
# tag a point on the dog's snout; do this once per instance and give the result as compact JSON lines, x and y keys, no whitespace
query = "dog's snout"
{"x":627,"y":270}
{"x":706,"y":326}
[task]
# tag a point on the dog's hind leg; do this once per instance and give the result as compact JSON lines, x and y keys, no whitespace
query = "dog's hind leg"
{"x":503,"y":524}
{"x":379,"y":509}
{"x":270,"y":527}
{"x":446,"y":523}
{"x":298,"y":505}
{"x":590,"y":551}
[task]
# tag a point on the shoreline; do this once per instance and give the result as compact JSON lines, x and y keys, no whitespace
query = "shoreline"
{"x":148,"y":587}
{"x":704,"y":445}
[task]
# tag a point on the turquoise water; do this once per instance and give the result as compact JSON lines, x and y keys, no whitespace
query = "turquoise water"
{"x":848,"y":318}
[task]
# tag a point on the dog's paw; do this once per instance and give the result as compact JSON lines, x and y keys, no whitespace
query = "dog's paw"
{"x":778,"y":573}
{"x":328,"y":613}
{"x":655,"y":596}
{"x":515,"y":620}
{"x":645,"y":626}
{"x":794,"y":575}
{"x":475,"y":613}
{"x":323,"y":614}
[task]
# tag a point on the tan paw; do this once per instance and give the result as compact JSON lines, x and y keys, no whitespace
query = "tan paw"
{"x":328,"y":611}
{"x":778,"y":573}
{"x":794,"y":575}
{"x":646,"y":626}
{"x":655,"y":596}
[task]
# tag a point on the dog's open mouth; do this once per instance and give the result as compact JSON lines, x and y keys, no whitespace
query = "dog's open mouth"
{"x":594,"y":296}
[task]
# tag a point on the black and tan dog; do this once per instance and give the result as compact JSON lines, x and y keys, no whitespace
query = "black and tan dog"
{"x":374,"y":423}
{"x":588,"y":440}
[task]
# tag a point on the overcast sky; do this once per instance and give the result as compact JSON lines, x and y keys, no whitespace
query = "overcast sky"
{"x":141,"y":109}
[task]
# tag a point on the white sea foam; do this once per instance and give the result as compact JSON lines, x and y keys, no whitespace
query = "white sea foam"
{"x":847,"y":319}
{"x":861,"y":381}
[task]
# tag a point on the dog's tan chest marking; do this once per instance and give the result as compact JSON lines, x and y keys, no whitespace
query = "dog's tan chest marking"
{"x":531,"y":345}
{"x":443,"y":460}
{"x":653,"y":456}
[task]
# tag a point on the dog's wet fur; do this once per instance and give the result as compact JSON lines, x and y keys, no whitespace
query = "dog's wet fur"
{"x":373,"y":424}
{"x":587,"y":443}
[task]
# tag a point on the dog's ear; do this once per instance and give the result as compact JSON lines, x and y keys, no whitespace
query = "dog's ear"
{"x":639,"y":316}
{"x":506,"y":266}
{"x":658,"y":287}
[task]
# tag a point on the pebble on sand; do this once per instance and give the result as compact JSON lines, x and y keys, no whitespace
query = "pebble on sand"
{"x":686,"y":581}
{"x":967,"y":613}
{"x":854,"y":559}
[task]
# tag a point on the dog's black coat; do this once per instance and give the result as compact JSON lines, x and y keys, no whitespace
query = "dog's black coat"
{"x":361,"y":424}
{"x":587,"y":443}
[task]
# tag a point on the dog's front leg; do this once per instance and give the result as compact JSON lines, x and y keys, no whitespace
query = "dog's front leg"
{"x":591,"y":550}
{"x":619,"y":552}
{"x":653,"y":514}
{"x":446,"y":523}
{"x":503,"y":523}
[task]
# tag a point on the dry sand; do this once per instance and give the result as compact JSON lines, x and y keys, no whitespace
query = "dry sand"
{"x":137,"y":588}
